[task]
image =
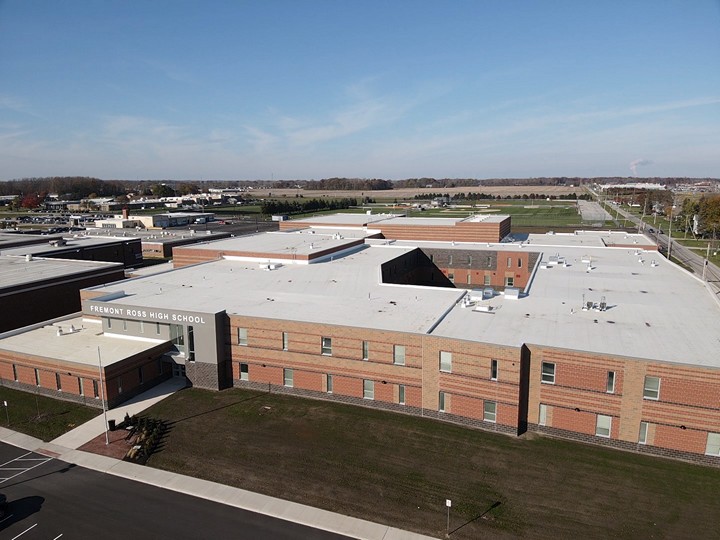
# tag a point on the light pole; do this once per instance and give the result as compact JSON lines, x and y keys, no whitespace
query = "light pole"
{"x":448,"y":503}
{"x":102,"y":397}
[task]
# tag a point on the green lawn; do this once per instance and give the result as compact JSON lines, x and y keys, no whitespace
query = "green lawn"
{"x":397,"y":469}
{"x":40,"y":416}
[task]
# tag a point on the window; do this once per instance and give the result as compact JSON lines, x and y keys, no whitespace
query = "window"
{"x":15,"y":378}
{"x":177,"y":337}
{"x":642,"y":438}
{"x":493,"y":370}
{"x":487,"y":279}
{"x":58,"y":383}
{"x":542,"y":418}
{"x":124,"y":324}
{"x":399,"y":355}
{"x":441,"y":402}
{"x":548,"y":373}
{"x":142,"y":327}
{"x":326,"y":346}
{"x":329,"y":381}
{"x":109,"y":323}
{"x":157,"y":328}
{"x":369,"y":389}
{"x":651,"y":390}
{"x":401,"y":394}
{"x":96,"y":394}
{"x":288,"y":377}
{"x":469,"y":278}
{"x":37,"y":376}
{"x":432,"y":258}
{"x":140,"y":374}
{"x":191,"y":344}
{"x":120,"y":386}
{"x":81,"y":390}
{"x":603,"y":425}
{"x":490,"y":411}
{"x":450,"y":260}
{"x":242,"y":336}
{"x":489,"y":262}
{"x":286,"y":341}
{"x":713,"y":444}
{"x":244,"y":372}
{"x":451,"y":277}
{"x":519,"y":263}
{"x":366,"y":350}
{"x":610,"y":382}
{"x":446,"y":361}
{"x":509,"y":262}
{"x":509,"y":281}
{"x":469,"y":260}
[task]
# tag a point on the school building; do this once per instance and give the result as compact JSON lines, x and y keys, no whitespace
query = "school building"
{"x":590,"y":336}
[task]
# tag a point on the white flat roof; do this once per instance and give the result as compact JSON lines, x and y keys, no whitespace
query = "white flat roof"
{"x":302,"y":242}
{"x":655,"y":312}
{"x":71,"y":242}
{"x":346,"y":291}
{"x":15,"y":270}
{"x":79,"y":346}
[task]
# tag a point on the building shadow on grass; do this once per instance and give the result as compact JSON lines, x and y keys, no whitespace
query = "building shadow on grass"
{"x":479,"y":516}
{"x":196,"y":415}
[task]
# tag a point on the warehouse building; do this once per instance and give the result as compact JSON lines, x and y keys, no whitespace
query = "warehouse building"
{"x":571,"y":335}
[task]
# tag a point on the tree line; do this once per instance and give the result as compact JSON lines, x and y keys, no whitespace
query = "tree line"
{"x":313,"y":205}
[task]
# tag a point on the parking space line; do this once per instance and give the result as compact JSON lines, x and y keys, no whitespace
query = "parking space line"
{"x":6,"y":517}
{"x":7,"y":462}
{"x":25,"y":470}
{"x":58,"y":536}
{"x":26,"y":530}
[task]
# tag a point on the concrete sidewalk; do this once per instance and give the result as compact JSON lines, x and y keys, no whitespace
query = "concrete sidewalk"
{"x":65,"y":448}
{"x":89,"y":430}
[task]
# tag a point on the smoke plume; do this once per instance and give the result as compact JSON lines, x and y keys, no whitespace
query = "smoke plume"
{"x":638,"y":163}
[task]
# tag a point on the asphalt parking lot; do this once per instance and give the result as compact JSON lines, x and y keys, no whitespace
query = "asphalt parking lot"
{"x":50,"y":499}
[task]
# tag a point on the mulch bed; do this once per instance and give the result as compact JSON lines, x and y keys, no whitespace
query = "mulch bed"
{"x":117,"y":448}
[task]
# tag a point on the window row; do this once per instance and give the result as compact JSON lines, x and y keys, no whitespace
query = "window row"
{"x":289,"y":381}
{"x":326,"y":347}
{"x":489,"y":407}
{"x":603,"y":428}
{"x":651,"y":385}
{"x":58,"y":382}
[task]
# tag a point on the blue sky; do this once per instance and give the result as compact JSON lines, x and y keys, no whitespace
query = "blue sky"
{"x":372,"y":89}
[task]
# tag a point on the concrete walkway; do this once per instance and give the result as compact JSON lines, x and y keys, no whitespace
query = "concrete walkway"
{"x":89,"y":430}
{"x":65,"y":448}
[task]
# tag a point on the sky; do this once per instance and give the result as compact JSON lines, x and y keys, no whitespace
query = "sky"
{"x":271,"y":89}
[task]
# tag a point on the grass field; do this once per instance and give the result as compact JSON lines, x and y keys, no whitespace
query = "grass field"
{"x":40,"y":416}
{"x":396,"y":469}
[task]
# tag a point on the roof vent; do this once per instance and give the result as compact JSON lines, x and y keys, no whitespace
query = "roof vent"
{"x":28,"y":257}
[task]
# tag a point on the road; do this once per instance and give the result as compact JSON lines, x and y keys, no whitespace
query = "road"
{"x":51,"y":499}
